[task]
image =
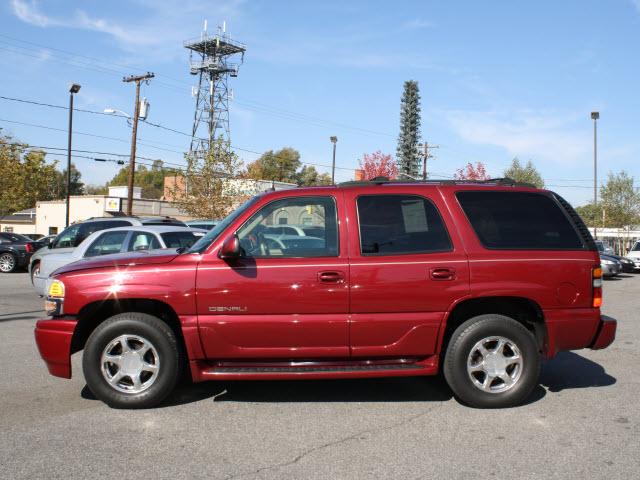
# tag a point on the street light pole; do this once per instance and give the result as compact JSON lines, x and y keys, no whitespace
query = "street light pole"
{"x":595,"y":116}
{"x":334,"y":140}
{"x":74,"y":88}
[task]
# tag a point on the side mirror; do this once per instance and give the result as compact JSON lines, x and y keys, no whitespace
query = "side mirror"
{"x":230,"y":248}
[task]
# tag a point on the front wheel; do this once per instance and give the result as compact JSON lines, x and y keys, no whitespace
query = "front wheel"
{"x":132,"y":360}
{"x":492,"y":361}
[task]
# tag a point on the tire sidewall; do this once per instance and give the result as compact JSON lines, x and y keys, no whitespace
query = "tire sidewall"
{"x":464,"y":339}
{"x":143,"y":325}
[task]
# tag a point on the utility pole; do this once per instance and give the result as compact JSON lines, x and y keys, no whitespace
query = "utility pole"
{"x":595,"y":116}
{"x":334,"y":140}
{"x":134,"y":134}
{"x":425,"y":156}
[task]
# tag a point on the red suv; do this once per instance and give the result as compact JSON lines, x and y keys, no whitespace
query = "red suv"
{"x":481,"y":280}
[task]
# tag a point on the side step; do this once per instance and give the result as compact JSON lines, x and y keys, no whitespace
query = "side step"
{"x":299,"y":370}
{"x":328,"y":368}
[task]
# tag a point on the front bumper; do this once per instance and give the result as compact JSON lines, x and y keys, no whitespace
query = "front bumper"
{"x":53,"y":337}
{"x":610,"y":270}
{"x":606,"y":333}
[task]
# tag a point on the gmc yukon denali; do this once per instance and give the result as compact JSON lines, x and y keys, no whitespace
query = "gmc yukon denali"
{"x":477,"y":280}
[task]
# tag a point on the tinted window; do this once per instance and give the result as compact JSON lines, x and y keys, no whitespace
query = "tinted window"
{"x":143,"y":241}
{"x":636,"y":247}
{"x":519,"y":220}
{"x":180,"y":239}
{"x":260,"y":240}
{"x":107,"y":243}
{"x":400,"y":224}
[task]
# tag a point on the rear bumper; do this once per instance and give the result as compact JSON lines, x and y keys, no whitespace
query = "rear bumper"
{"x":577,"y":328}
{"x":610,"y":270}
{"x":606,"y":333}
{"x":53,"y":337}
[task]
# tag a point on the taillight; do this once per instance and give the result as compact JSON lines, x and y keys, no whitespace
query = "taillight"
{"x":597,"y":287}
{"x":29,"y":247}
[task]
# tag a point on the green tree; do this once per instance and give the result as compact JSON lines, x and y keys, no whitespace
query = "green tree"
{"x":407,"y":152}
{"x":280,"y":166}
{"x":25,"y":176}
{"x":526,"y":174}
{"x":77,"y":187}
{"x":284,"y":165}
{"x":590,"y":214}
{"x":619,"y":204}
{"x":212,"y":185}
{"x":308,"y":176}
{"x":151,"y":180}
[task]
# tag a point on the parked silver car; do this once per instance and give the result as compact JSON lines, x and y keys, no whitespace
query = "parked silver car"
{"x":634,"y":255}
{"x":116,"y":240}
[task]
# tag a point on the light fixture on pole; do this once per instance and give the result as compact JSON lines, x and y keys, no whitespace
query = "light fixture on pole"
{"x":595,"y":116}
{"x":334,"y":140}
{"x":73,"y":88}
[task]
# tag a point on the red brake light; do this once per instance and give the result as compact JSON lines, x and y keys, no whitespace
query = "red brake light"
{"x":597,"y":287}
{"x":29,"y":247}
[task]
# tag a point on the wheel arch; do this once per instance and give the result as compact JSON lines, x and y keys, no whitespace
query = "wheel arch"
{"x":93,"y":314}
{"x":522,"y":309}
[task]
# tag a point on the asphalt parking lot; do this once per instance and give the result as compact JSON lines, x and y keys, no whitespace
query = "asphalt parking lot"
{"x":583,"y":421}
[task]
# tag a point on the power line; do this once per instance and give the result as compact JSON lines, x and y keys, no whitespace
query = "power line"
{"x":251,"y":104}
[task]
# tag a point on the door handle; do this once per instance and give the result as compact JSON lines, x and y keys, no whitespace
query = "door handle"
{"x":331,"y":277}
{"x":443,"y":273}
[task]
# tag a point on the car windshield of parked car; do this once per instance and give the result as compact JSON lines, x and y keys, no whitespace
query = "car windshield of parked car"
{"x":180,"y":239}
{"x":202,"y":244}
{"x":636,"y":247}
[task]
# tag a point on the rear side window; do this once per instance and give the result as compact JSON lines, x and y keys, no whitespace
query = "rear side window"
{"x":400,"y":224}
{"x":519,"y":221}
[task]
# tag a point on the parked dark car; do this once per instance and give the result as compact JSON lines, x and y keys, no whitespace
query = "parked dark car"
{"x":610,"y":265}
{"x":15,"y":251}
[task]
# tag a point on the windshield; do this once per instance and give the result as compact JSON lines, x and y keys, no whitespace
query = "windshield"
{"x":202,"y":244}
{"x":636,"y":247}
{"x":600,"y":246}
{"x":16,"y":237}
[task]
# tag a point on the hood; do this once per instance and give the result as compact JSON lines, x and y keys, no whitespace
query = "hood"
{"x":151,"y":257}
{"x":45,"y":252}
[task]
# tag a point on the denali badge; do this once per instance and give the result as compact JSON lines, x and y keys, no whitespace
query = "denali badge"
{"x":227,"y":309}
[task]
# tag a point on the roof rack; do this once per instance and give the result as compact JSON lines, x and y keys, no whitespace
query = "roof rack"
{"x":508,"y":182}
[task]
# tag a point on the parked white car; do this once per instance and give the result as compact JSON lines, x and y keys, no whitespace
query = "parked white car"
{"x":116,"y":240}
{"x":634,"y":254}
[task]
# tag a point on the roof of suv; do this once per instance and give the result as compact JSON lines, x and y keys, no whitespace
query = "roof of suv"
{"x":138,"y":220}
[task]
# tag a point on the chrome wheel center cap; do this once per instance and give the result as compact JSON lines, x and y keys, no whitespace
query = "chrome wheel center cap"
{"x":131,"y":363}
{"x":495,"y":364}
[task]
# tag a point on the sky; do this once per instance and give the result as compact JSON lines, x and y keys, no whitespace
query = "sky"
{"x":498,"y":80}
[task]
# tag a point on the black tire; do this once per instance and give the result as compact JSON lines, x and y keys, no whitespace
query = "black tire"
{"x":35,"y":268}
{"x":8,"y":262}
{"x":460,"y":347}
{"x":135,"y":324}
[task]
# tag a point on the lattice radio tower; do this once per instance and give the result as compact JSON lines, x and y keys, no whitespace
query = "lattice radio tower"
{"x":210,"y":57}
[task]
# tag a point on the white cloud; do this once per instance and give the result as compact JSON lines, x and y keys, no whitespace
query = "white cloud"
{"x":419,"y":23}
{"x":548,"y":136}
{"x":162,"y":28}
{"x":28,"y":12}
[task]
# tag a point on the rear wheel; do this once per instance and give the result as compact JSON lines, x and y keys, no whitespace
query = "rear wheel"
{"x":132,"y":360}
{"x":492,"y":361}
{"x":7,"y":262}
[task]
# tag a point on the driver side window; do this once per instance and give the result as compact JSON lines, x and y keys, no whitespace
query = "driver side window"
{"x":260,"y":237}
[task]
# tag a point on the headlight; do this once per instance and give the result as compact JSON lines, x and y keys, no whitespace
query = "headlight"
{"x":607,"y":262}
{"x":55,"y":288}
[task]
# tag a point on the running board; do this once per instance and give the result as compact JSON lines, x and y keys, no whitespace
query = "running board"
{"x":202,"y":370}
{"x":287,"y":369}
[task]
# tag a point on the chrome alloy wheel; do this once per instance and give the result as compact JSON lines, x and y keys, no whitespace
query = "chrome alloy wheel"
{"x":130,"y":363}
{"x":494,"y":364}
{"x":7,"y":262}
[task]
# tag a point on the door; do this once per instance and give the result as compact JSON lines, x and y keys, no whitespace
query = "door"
{"x":288,"y":295}
{"x":407,"y":268}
